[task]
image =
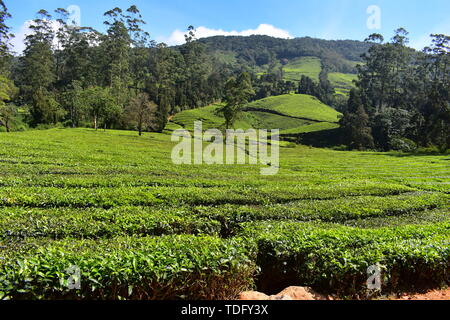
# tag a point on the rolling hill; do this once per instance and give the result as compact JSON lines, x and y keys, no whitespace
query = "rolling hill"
{"x":342,"y":82}
{"x":292,"y":114}
{"x":304,"y":66}
{"x":298,"y":57}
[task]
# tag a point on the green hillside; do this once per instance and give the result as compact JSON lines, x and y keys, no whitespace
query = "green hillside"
{"x":299,"y":57}
{"x":292,"y":114}
{"x":319,"y":126}
{"x":299,"y":106}
{"x":304,"y":66}
{"x":208,"y":115}
{"x":342,"y":82}
{"x":311,"y":67}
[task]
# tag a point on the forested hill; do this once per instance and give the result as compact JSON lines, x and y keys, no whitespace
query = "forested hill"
{"x":337,"y":55}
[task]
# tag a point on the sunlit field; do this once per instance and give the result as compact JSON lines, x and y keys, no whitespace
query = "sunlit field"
{"x":140,"y":227}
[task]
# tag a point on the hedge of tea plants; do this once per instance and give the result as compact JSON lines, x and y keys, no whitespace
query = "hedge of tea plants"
{"x":136,"y":226}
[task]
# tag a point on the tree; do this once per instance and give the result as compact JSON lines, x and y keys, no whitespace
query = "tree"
{"x":116,"y":49}
{"x":74,"y":102}
{"x":140,"y":53}
{"x":355,"y":124}
{"x":102,"y":105}
{"x":436,"y":107}
{"x":196,"y":70}
{"x":406,"y":93}
{"x":38,"y":71}
{"x":7,"y":111}
{"x":237,"y":94}
{"x":76,"y":56}
{"x":166,"y":72}
{"x":307,"y":86}
{"x":5,"y":36}
{"x":142,"y":111}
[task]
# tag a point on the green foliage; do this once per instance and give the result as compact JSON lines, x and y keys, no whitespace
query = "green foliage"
{"x":5,"y":36}
{"x":147,"y":268}
{"x":298,"y":106}
{"x":337,"y":258}
{"x":140,"y":227}
{"x":342,"y":82}
{"x":8,"y":112}
{"x":237,"y":94}
{"x":93,"y":223}
{"x":101,"y":104}
{"x":405,"y":92}
{"x":355,"y":123}
{"x":260,"y":50}
{"x":292,"y":114}
{"x":304,"y":66}
{"x":320,"y":126}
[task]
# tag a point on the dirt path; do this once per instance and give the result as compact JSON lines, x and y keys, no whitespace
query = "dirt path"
{"x":305,"y":293}
{"x":430,"y":295}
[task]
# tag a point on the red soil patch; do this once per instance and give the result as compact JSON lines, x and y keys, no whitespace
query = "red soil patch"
{"x":430,"y":295}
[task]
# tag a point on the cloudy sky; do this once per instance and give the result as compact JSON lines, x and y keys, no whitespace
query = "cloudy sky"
{"x":167,"y":20}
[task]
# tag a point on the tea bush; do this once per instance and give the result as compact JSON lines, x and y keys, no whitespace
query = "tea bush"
{"x":172,"y":267}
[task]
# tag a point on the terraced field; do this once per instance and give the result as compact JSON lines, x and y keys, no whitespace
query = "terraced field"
{"x":139,"y":227}
{"x":297,"y":106}
{"x":311,"y":67}
{"x":292,"y":114}
{"x":304,"y":66}
{"x":342,"y":82}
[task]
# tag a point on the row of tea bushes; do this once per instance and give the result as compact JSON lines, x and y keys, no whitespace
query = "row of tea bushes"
{"x":340,"y":210}
{"x":336,"y":258}
{"x":142,"y":196}
{"x":172,"y":267}
{"x":18,"y":223}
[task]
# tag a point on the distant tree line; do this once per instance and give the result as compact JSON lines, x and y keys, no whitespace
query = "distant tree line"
{"x":122,"y":79}
{"x":119,"y":79}
{"x":402,"y":97}
{"x":322,"y":90}
{"x":261,"y":50}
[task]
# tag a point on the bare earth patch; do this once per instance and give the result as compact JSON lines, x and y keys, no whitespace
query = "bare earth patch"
{"x":430,"y":295}
{"x":304,"y":293}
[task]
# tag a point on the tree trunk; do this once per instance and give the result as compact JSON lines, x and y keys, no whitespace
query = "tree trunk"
{"x":95,"y":122}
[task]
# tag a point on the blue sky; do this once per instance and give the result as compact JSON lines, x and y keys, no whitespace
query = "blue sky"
{"x":328,"y":19}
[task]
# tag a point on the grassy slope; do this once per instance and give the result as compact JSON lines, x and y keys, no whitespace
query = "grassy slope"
{"x":114,"y":188}
{"x":342,"y":82}
{"x":297,"y":114}
{"x":311,"y":67}
{"x":298,"y":105}
{"x":304,"y":66}
{"x":314,"y":127}
{"x":210,"y":118}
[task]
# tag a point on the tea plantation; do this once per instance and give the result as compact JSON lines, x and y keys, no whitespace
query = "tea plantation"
{"x":139,"y":227}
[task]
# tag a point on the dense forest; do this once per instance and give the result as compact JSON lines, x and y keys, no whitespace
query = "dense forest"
{"x":402,"y":99}
{"x":77,"y":76}
{"x":263,"y":50}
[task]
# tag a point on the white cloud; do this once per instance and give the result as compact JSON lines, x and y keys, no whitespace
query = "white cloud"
{"x":21,"y":33}
{"x":177,"y":37}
